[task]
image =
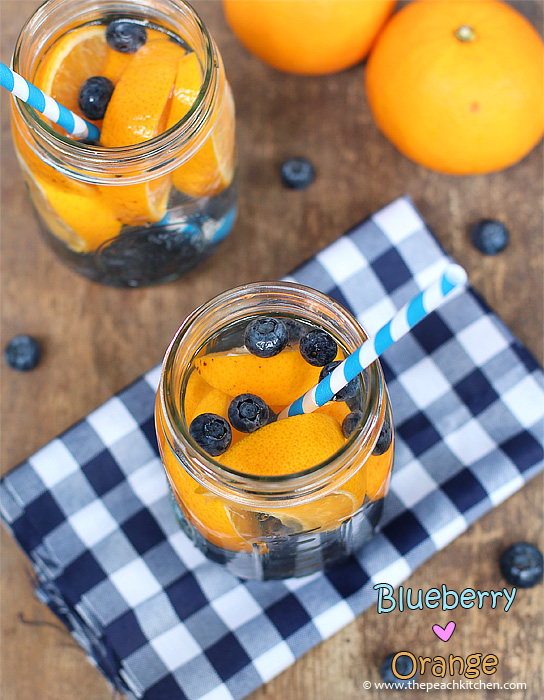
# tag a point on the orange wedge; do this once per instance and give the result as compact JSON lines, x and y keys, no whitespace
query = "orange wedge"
{"x":186,"y":88}
{"x":287,"y":446}
{"x":73,"y":211}
{"x":195,"y":390}
{"x":78,"y":55}
{"x":325,"y":513}
{"x":277,"y":380}
{"x":137,"y":111}
{"x":211,"y":169}
{"x":116,"y":61}
{"x":336,"y":409}
{"x":205,"y":511}
{"x":81,"y":210}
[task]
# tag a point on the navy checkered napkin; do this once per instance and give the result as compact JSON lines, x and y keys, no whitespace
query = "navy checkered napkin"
{"x":92,"y":508}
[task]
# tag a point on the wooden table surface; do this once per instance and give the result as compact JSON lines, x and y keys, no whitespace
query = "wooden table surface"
{"x":97,"y":340}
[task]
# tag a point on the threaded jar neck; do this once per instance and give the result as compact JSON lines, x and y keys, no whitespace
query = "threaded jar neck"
{"x":159,"y":155}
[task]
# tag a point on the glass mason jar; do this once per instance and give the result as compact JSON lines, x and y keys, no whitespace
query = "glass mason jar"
{"x":280,"y":524}
{"x":136,"y":214}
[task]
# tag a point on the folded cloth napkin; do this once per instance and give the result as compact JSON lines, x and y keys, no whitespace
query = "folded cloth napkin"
{"x":93,"y":512}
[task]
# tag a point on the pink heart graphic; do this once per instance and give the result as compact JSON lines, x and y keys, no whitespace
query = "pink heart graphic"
{"x":444,"y":633}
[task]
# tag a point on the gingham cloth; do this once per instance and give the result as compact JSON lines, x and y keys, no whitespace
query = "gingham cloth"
{"x":92,"y":508}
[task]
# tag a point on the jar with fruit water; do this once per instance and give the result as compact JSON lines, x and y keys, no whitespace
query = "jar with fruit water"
{"x":272,"y":498}
{"x":157,"y":193}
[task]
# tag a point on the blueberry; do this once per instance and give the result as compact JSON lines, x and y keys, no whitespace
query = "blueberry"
{"x":403,"y":666}
{"x":297,"y":173}
{"x":490,"y":236}
{"x":522,"y":565}
{"x":318,"y":348}
{"x":94,"y":96}
{"x":384,"y":439}
{"x":265,"y":336}
{"x":22,"y":353}
{"x":349,"y":391}
{"x":295,"y":330}
{"x":211,"y":432}
{"x":247,"y":413}
{"x":350,"y":422}
{"x":150,"y":254}
{"x":125,"y":36}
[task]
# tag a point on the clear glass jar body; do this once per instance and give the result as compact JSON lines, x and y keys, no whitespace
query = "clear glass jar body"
{"x":140,"y":214}
{"x":281,"y":526}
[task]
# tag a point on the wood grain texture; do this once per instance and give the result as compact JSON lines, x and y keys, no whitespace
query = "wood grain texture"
{"x":97,"y":340}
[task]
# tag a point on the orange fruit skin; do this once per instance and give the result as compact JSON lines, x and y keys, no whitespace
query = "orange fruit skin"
{"x":458,"y":107}
{"x":308,"y":37}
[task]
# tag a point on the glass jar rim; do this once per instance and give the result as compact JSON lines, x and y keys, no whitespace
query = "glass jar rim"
{"x":159,"y":154}
{"x":310,"y":480}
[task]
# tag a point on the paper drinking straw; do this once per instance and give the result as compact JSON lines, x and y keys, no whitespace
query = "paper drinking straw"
{"x":403,"y":321}
{"x":46,"y":105}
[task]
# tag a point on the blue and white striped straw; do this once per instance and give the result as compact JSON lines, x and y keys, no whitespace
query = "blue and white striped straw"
{"x":46,"y":105}
{"x":403,"y":321}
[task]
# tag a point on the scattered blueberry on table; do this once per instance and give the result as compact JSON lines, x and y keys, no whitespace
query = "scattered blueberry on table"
{"x":522,"y":565}
{"x":404,"y":666}
{"x":347,"y":392}
{"x":22,"y":353}
{"x":248,"y":413}
{"x":297,"y":173}
{"x":265,"y":336}
{"x":94,"y":96}
{"x":318,"y":348}
{"x":125,"y":36}
{"x":212,"y":432}
{"x":490,"y":236}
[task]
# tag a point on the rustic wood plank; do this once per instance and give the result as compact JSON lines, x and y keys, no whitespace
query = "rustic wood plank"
{"x":97,"y":340}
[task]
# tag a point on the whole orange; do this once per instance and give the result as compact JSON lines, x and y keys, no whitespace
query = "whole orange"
{"x":309,"y":37}
{"x":458,"y":85}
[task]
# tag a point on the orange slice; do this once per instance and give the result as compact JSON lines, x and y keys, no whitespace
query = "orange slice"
{"x":137,"y":112}
{"x":324,"y":513}
{"x":277,"y":380}
{"x":73,"y":211}
{"x":78,"y":55}
{"x":195,"y":391}
{"x":81,"y":210}
{"x":186,"y":88}
{"x":211,"y":169}
{"x":116,"y":61}
{"x":336,"y":409}
{"x":287,"y":446}
{"x":205,"y":511}
{"x":139,"y":204}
